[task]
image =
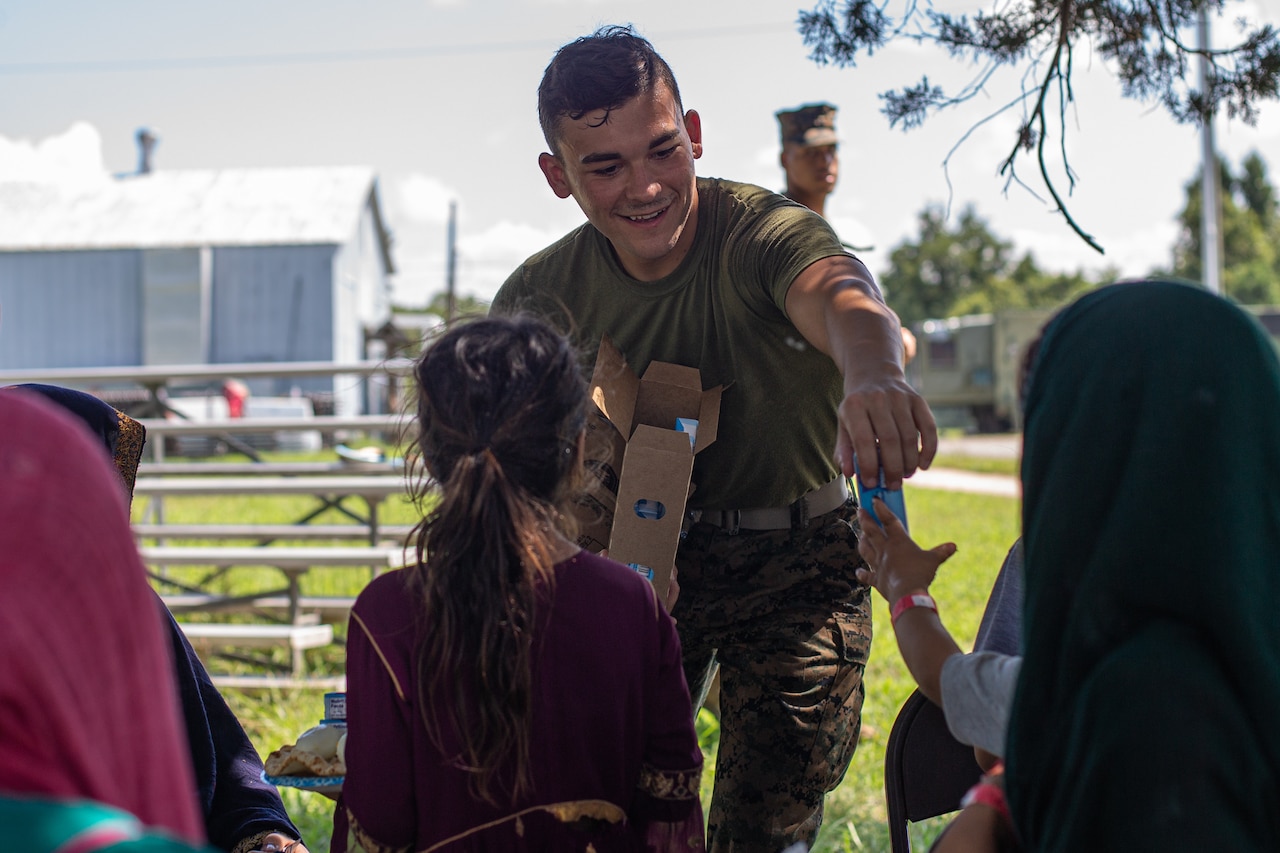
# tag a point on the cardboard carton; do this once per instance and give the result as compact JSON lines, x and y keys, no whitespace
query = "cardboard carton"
{"x":641,"y":441}
{"x":595,"y":503}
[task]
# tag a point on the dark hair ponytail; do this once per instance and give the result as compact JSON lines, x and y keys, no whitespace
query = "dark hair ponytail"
{"x":501,"y":407}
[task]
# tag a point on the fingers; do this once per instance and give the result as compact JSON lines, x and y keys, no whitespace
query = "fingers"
{"x":896,"y":431}
{"x":872,"y":534}
{"x":868,"y":552}
{"x":891,"y":522}
{"x":844,"y":453}
{"x":887,"y":427}
{"x":945,"y":551}
{"x":859,"y":435}
{"x":870,"y":530}
{"x":928,"y":427}
{"x":894,"y":561}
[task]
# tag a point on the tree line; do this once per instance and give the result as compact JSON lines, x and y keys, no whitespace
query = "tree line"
{"x":961,"y":266}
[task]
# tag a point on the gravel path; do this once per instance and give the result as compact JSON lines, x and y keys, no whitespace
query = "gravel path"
{"x":1002,"y":446}
{"x":953,"y":480}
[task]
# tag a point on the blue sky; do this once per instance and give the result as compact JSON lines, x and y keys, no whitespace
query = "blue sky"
{"x":438,"y":97}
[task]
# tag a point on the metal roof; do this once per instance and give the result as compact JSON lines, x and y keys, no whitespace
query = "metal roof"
{"x":179,"y":208}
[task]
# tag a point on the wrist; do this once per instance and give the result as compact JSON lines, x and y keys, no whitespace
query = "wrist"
{"x":986,"y":794}
{"x":912,"y":600}
{"x":990,"y":793}
{"x":896,"y":590}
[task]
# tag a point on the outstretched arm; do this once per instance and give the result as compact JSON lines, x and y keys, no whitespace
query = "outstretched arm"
{"x":897,"y":568}
{"x":836,"y":305}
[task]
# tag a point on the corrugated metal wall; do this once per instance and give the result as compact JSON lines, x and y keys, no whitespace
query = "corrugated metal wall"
{"x":273,"y":303}
{"x":361,"y":301}
{"x":175,"y":310}
{"x":70,"y":309}
{"x":266,"y":304}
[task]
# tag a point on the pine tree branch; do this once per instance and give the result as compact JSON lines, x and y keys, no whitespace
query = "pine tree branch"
{"x":1034,"y":130}
{"x":1139,"y":36}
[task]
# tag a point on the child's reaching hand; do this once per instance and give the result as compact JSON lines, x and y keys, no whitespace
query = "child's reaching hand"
{"x":896,"y":565}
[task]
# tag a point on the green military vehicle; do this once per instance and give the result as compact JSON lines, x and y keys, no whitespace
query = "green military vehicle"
{"x":967,"y":368}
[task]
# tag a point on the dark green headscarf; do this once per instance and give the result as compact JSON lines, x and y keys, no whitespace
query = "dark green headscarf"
{"x":1148,"y":712}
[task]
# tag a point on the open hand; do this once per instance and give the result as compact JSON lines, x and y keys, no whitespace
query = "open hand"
{"x":896,"y":565}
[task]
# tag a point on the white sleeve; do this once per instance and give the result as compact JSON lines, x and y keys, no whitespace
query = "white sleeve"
{"x":977,"y":693}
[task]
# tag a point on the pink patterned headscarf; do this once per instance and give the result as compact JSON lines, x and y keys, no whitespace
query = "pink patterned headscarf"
{"x":88,"y":705}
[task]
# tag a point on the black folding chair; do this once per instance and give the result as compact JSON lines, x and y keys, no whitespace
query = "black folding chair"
{"x":926,"y":770}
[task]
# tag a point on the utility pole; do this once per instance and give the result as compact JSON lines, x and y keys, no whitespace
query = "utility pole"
{"x":451,"y":307}
{"x":1210,"y":199}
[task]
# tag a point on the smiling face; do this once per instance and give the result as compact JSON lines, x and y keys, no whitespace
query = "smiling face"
{"x":631,"y":171}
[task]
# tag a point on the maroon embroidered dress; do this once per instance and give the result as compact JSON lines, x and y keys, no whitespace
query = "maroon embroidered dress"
{"x":615,"y":759}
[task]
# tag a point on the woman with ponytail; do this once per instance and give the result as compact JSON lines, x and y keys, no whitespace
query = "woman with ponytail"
{"x":510,"y":691}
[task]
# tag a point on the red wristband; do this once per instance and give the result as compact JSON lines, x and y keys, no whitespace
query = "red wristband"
{"x":987,"y":794}
{"x":908,"y":602}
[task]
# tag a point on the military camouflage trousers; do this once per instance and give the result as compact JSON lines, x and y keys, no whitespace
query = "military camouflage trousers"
{"x":783,"y":616}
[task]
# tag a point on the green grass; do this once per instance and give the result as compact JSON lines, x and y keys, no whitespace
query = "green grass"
{"x":977,"y":464}
{"x":982,"y":526}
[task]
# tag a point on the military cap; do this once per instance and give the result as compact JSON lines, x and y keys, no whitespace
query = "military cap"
{"x":808,"y":125}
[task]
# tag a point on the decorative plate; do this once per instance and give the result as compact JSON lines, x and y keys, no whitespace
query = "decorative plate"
{"x":319,"y":784}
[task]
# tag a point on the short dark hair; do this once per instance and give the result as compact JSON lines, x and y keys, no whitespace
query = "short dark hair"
{"x":601,"y":71}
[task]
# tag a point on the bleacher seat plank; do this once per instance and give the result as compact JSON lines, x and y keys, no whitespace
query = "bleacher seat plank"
{"x":391,"y":532}
{"x":257,"y":636}
{"x":280,"y":557}
{"x":324,"y":604}
{"x":280,"y":682}
{"x":240,"y":469}
{"x":214,"y":638}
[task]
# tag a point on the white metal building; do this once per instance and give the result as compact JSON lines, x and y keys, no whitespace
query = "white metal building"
{"x":197,"y":267}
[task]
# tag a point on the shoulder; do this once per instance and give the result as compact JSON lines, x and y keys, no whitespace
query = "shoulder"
{"x":605,"y":580}
{"x":737,"y":192}
{"x":385,"y":604}
{"x":751,"y":199}
{"x":580,"y":245}
{"x":748,"y":211}
{"x":388,"y":585}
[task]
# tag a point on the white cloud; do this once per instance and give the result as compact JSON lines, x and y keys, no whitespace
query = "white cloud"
{"x":1234,"y":140}
{"x":484,"y":259}
{"x":71,"y":160}
{"x":766,"y":157}
{"x":855,"y":232}
{"x":423,"y":198}
{"x":1134,"y":253}
{"x":519,"y":238}
{"x":487,"y":258}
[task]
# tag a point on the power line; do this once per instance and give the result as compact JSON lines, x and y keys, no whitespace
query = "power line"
{"x":192,"y":63}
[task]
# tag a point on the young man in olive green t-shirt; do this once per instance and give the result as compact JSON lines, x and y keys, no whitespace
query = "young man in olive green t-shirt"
{"x":759,"y":295}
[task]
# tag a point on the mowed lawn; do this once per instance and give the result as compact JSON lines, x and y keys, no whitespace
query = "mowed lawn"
{"x":982,"y":526}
